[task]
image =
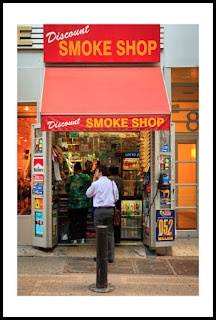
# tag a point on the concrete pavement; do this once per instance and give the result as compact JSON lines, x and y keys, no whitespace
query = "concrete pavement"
{"x":184,"y":247}
{"x":50,"y":279}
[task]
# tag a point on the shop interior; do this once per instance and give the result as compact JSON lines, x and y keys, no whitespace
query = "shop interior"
{"x":129,"y":151}
{"x":26,"y":115}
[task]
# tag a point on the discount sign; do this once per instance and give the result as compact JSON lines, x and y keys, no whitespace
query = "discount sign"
{"x":101,"y":43}
{"x":165,"y":225}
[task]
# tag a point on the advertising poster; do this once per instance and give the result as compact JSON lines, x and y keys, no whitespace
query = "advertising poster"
{"x":37,"y":190}
{"x":38,"y":169}
{"x":39,"y":224}
{"x":165,"y":225}
{"x":38,"y":203}
{"x":38,"y":145}
{"x":165,"y":148}
{"x":165,"y":196}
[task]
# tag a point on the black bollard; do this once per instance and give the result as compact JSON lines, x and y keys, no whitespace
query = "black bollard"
{"x":101,"y":284}
{"x":102,"y":256}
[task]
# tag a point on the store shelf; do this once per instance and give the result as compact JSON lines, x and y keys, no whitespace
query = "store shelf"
{"x":123,"y":227}
{"x":133,"y":198}
{"x":138,"y":238}
{"x":132,"y":215}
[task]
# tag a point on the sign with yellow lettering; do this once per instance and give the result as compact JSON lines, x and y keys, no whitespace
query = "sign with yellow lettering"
{"x":165,"y":225}
{"x":101,"y":43}
{"x":105,"y":123}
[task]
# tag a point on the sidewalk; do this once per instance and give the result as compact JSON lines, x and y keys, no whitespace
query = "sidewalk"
{"x":184,"y":247}
{"x":68,"y":270}
{"x":125,"y":285}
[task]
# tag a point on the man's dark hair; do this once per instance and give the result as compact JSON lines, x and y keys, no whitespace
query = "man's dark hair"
{"x":113,"y":170}
{"x":103,"y":169}
{"x":87,"y":161}
{"x":77,"y":166}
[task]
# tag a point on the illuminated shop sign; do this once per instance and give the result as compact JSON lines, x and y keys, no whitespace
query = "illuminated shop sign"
{"x":101,"y":43}
{"x":105,"y":123}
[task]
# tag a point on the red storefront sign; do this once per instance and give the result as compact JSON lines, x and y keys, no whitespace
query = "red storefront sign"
{"x":105,"y":122}
{"x":101,"y":43}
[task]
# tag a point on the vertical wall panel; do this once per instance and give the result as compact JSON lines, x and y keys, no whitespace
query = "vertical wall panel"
{"x":181,"y":45}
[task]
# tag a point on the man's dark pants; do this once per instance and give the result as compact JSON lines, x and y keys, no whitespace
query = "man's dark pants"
{"x":117,"y":229}
{"x":78,"y":219}
{"x":104,"y":217}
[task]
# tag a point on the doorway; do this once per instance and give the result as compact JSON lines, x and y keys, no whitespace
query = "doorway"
{"x":187,"y":184}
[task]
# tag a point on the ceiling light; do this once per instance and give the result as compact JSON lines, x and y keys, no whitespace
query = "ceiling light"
{"x":193,"y":152}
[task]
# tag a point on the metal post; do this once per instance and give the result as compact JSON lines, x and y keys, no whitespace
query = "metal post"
{"x":102,"y":256}
{"x":101,"y":284}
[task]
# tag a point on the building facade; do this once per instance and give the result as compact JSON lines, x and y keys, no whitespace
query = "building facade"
{"x":179,"y":62}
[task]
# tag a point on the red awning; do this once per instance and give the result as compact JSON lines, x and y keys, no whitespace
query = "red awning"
{"x":104,"y":99}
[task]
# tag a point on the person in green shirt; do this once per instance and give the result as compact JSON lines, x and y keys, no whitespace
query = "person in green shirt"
{"x":78,"y":203}
{"x":88,"y":168}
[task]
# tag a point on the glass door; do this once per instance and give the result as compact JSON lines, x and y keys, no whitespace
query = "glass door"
{"x":186,"y":184}
{"x":130,"y":169}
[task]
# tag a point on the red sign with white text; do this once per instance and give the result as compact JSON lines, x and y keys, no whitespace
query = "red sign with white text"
{"x":105,"y":123}
{"x":101,"y":43}
{"x":38,"y":170}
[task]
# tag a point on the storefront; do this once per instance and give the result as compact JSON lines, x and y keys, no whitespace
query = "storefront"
{"x":94,"y":108}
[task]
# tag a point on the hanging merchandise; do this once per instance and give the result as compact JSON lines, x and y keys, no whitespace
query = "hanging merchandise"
{"x":55,"y":159}
{"x":145,"y":148}
{"x":144,"y":160}
{"x":57,"y":171}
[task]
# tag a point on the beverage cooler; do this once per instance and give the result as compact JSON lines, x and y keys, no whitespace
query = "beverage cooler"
{"x":131,"y":204}
{"x":131,"y":219}
{"x":129,"y":173}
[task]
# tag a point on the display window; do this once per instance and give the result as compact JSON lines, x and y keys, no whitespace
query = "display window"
{"x":26,"y":115}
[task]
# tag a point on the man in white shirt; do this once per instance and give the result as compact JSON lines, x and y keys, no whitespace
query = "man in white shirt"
{"x":105,"y":194}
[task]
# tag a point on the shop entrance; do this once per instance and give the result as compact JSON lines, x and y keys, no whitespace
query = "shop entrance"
{"x":142,"y":158}
{"x":128,"y":152}
{"x":93,"y":103}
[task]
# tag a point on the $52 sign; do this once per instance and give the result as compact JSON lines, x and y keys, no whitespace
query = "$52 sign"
{"x":165,"y":225}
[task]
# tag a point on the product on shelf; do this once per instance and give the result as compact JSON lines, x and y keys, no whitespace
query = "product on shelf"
{"x":131,"y":221}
